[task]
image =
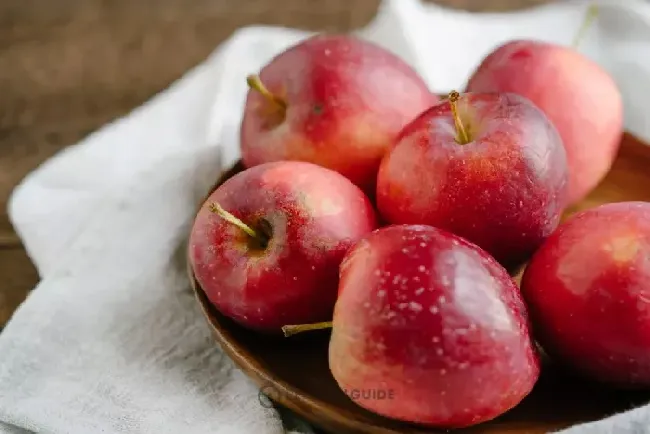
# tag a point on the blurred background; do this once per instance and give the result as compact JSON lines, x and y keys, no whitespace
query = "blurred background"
{"x":69,"y":66}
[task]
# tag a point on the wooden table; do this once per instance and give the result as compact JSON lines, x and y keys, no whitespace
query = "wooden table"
{"x":69,"y":66}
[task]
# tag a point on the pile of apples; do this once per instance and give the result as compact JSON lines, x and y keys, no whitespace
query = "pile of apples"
{"x":396,"y":218}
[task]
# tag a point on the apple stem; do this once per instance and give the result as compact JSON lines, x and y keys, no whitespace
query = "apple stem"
{"x":590,"y":16}
{"x":290,"y":330}
{"x":463,"y":137}
{"x":255,"y":83}
{"x":217,"y":209}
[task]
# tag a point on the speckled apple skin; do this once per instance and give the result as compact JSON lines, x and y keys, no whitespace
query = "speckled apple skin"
{"x":504,"y":191}
{"x":315,"y":214}
{"x":433,"y":321}
{"x":578,"y":96}
{"x":588,"y":292}
{"x":347,"y":101}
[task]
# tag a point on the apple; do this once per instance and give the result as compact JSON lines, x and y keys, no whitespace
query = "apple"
{"x":588,"y":293}
{"x":429,"y":329}
{"x":267,"y":244}
{"x":490,"y":168}
{"x":579,"y":97}
{"x":332,"y":100}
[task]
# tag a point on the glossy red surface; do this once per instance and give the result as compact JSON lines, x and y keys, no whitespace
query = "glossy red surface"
{"x":588,"y":289}
{"x":435,"y":324}
{"x":313,"y":215}
{"x":346,"y":99}
{"x":505,"y":190}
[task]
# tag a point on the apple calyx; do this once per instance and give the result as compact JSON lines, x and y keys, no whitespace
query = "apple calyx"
{"x":462,"y":136}
{"x":261,"y":239}
{"x":590,"y":16}
{"x":255,"y":83}
{"x":290,"y":330}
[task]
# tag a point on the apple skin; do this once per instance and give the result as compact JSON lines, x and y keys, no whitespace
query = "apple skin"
{"x":504,"y":191}
{"x":576,"y":94}
{"x":434,"y":324}
{"x":347,"y":99}
{"x":588,"y":294}
{"x":314,"y":215}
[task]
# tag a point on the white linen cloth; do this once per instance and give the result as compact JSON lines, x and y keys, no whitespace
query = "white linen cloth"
{"x":111,"y":339}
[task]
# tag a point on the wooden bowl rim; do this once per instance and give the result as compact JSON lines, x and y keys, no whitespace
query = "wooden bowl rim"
{"x":303,"y":404}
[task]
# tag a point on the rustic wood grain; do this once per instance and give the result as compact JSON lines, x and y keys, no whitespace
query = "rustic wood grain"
{"x":69,"y":66}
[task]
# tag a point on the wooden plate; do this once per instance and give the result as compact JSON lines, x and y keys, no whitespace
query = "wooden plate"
{"x":293,"y":372}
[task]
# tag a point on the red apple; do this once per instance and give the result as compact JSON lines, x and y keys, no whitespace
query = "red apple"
{"x":267,"y":244}
{"x":336,"y":101}
{"x":488,"y":167}
{"x":433,"y":324}
{"x":575,"y":93}
{"x":588,"y":293}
